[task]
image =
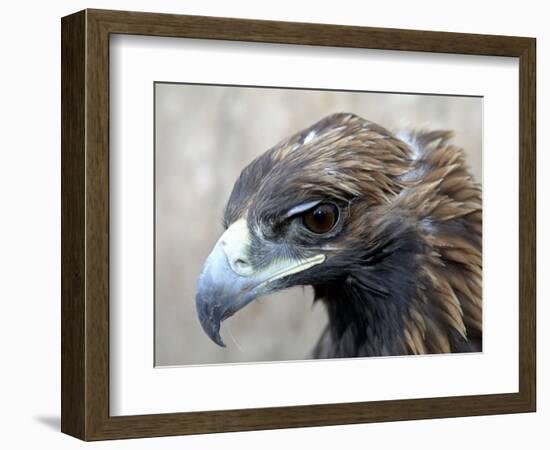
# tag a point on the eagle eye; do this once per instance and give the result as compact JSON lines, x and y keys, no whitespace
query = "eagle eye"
{"x":321,"y":219}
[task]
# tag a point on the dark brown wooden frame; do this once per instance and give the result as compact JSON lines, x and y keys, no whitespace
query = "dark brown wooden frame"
{"x":85,"y":224}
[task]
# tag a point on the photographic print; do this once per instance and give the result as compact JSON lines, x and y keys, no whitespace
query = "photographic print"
{"x":296,"y":224}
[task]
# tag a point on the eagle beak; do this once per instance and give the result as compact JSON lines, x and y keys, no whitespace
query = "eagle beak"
{"x":228,"y":281}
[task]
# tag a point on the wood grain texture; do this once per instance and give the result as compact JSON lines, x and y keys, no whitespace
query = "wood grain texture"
{"x":85,"y":224}
{"x":72,"y":223}
{"x":527,"y":224}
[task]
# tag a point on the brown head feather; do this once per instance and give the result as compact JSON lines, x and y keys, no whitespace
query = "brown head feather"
{"x":403,"y":276}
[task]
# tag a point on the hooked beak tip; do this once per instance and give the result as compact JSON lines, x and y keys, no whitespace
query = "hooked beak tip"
{"x":217,"y":339}
{"x":209,"y":321}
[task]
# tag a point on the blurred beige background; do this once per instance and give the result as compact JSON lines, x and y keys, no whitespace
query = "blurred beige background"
{"x":205,"y":136}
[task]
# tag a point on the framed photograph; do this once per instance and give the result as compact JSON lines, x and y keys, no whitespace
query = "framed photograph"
{"x":271,"y":224}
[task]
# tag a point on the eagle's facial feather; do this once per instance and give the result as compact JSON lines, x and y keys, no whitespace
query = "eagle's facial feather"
{"x":386,"y":230}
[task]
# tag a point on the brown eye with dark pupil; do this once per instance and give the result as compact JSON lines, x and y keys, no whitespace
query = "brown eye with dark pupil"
{"x":321,"y":219}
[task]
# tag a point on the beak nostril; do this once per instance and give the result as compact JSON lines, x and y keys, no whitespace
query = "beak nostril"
{"x":241,"y":263}
{"x":234,"y":243}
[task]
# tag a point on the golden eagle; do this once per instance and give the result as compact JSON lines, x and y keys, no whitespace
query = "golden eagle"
{"x":385,"y":227}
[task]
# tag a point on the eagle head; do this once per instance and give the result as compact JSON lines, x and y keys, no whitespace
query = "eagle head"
{"x":349,"y":208}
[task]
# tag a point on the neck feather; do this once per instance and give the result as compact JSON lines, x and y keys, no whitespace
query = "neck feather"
{"x":406,"y":303}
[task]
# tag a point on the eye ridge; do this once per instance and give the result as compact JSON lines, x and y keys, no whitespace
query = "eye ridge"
{"x":322,"y":218}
